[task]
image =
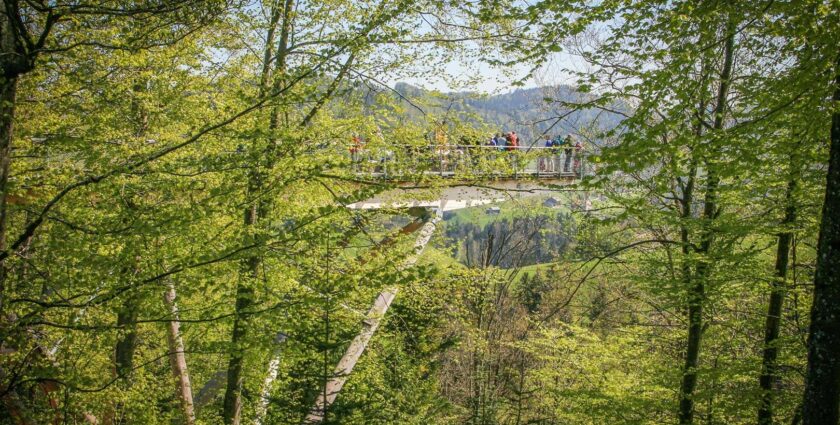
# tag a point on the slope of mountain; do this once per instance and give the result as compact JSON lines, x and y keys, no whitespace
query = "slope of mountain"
{"x":530,"y":112}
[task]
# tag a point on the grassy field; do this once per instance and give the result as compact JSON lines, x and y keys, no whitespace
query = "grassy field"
{"x":509,"y":210}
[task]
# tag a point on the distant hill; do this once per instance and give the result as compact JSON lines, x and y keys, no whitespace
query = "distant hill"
{"x":529,"y":112}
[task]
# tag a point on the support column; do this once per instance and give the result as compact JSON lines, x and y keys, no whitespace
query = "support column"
{"x":369,"y":326}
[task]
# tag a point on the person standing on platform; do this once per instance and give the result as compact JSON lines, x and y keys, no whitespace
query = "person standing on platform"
{"x":568,"y":150}
{"x":547,"y":158}
{"x":356,"y":146}
{"x":500,"y":141}
{"x":579,"y":157}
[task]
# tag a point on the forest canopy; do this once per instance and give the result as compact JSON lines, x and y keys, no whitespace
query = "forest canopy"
{"x":269,"y":212}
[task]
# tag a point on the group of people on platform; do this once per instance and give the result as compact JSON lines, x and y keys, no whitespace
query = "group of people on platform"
{"x":571,"y":149}
{"x":567,"y":147}
{"x":505,"y":141}
{"x":559,"y":154}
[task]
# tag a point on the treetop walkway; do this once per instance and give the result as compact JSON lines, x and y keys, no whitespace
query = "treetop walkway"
{"x":473,"y":162}
{"x":475,"y":175}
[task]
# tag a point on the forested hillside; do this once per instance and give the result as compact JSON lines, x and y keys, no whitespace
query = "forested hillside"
{"x":223,"y":212}
{"x":522,"y":233}
{"x":530,"y":112}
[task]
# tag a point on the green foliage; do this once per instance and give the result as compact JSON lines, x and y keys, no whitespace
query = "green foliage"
{"x":138,"y":134}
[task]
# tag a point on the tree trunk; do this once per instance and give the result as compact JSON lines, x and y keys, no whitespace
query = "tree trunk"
{"x":177,"y":358}
{"x":9,"y":55}
{"x":369,"y":326}
{"x":232,"y":408}
{"x":282,"y":57}
{"x":127,"y":316}
{"x":774,"y":309}
{"x":265,"y":78}
{"x":697,"y":291}
{"x":8,"y":95}
{"x":124,"y":352}
{"x":8,"y":92}
{"x":822,"y":380}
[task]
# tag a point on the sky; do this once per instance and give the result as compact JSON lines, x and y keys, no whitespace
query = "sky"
{"x":492,"y":81}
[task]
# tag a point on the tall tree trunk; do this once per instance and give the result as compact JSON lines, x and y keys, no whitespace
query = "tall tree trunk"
{"x":9,"y":54}
{"x":177,"y":357}
{"x":687,"y":203}
{"x":369,"y":326}
{"x":127,"y":316}
{"x":268,"y":55}
{"x":126,"y":343}
{"x":8,"y":97}
{"x":822,"y":380}
{"x":15,"y":61}
{"x":697,"y":291}
{"x":232,"y":408}
{"x":282,"y":57}
{"x":687,"y":198}
{"x":772,"y":322}
{"x":8,"y":92}
{"x":16,"y":58}
{"x":124,"y":350}
{"x":128,"y":312}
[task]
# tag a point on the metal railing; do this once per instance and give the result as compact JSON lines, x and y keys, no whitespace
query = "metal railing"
{"x":471,"y":161}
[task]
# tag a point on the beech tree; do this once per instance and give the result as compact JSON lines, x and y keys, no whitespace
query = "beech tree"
{"x":177,"y":242}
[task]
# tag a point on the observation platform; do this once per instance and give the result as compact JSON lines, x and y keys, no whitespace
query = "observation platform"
{"x":454,"y":177}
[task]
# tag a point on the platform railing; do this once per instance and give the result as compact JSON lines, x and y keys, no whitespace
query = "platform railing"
{"x":470,"y":161}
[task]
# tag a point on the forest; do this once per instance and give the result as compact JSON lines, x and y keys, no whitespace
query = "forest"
{"x":193,"y":231}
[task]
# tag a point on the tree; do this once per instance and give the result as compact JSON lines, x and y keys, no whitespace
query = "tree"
{"x":821,"y":403}
{"x":36,"y":29}
{"x":694,"y":83}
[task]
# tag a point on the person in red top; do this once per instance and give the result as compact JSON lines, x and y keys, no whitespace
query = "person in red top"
{"x":355,"y":150}
{"x":512,"y":141}
{"x":579,"y":148}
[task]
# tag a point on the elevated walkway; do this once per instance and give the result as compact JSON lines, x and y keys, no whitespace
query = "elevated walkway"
{"x":466,"y":176}
{"x":458,"y":195}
